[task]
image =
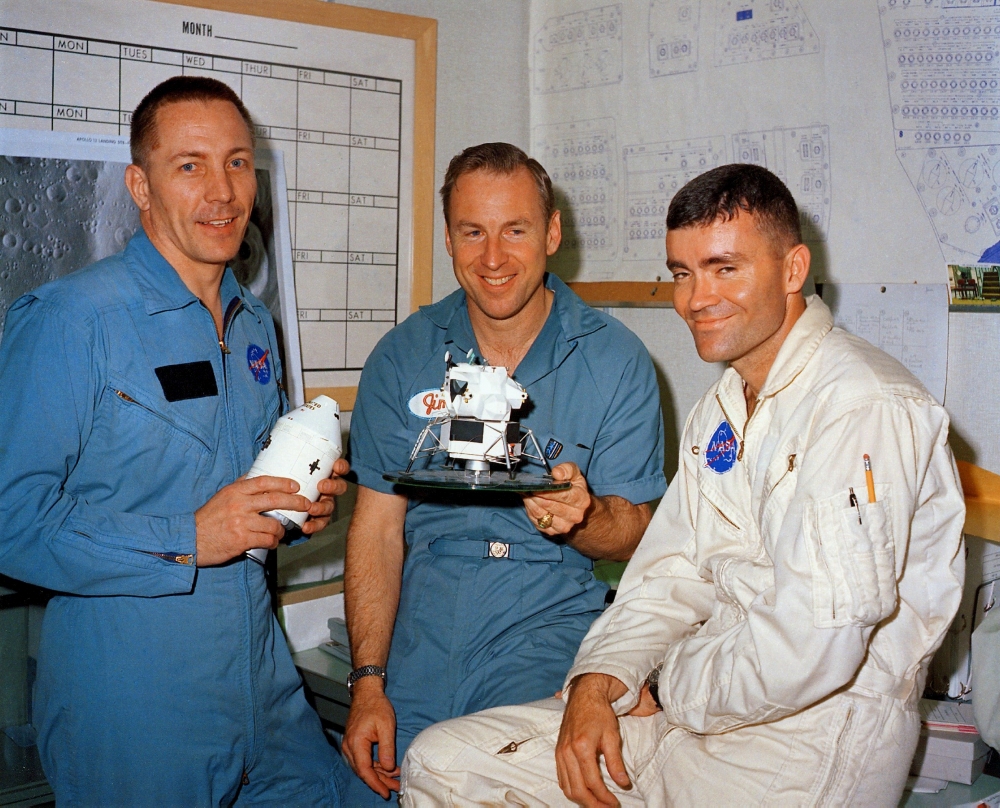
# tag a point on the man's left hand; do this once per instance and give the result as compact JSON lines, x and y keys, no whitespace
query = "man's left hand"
{"x":646,"y":706}
{"x":322,"y":509}
{"x":568,"y":508}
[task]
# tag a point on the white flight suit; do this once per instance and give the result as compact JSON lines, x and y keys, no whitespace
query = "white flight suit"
{"x":794,"y":628}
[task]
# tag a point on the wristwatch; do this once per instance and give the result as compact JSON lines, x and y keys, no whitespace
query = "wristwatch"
{"x":653,"y":683}
{"x":361,"y":673}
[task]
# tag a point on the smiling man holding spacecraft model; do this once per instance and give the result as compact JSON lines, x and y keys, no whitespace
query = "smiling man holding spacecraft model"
{"x":136,"y":393}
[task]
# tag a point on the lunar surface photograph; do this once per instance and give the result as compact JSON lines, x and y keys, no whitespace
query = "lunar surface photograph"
{"x":57,"y":216}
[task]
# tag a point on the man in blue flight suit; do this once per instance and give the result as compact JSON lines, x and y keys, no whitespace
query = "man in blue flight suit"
{"x":136,"y":393}
{"x":456,"y":628}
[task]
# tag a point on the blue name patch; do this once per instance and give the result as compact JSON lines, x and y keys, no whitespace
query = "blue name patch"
{"x":720,"y":456}
{"x":259,"y":364}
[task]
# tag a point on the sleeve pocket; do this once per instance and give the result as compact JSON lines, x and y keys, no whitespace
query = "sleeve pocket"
{"x":853,"y":565}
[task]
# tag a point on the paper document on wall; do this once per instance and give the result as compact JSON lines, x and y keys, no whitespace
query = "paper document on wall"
{"x":907,"y":321}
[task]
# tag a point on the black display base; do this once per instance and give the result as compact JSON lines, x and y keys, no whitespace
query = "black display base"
{"x":461,"y":480}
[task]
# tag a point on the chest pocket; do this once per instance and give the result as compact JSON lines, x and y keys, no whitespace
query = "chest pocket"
{"x":776,"y":492}
{"x":718,"y":510}
{"x":138,"y":436}
{"x":136,"y":417}
{"x":852,"y":560}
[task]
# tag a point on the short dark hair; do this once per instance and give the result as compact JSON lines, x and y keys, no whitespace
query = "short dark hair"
{"x":142,"y":139}
{"x":723,"y":192}
{"x":498,"y":158}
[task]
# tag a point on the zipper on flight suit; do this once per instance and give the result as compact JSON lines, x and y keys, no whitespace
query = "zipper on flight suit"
{"x":732,"y":426}
{"x":127,"y":398}
{"x":175,"y":558}
{"x":838,"y":762}
{"x":788,"y":469}
{"x":231,"y":310}
{"x":511,"y":747}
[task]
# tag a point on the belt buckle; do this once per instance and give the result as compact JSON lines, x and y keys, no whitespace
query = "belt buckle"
{"x":498,"y":549}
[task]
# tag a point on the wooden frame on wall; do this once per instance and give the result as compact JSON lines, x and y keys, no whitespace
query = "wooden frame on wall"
{"x":423,"y":32}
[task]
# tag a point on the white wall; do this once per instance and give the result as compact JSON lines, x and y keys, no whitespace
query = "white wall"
{"x":683,"y":377}
{"x":973,"y":388}
{"x":972,"y":397}
{"x":482,"y":86}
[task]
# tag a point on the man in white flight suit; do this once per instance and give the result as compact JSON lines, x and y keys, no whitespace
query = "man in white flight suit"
{"x":771,"y":634}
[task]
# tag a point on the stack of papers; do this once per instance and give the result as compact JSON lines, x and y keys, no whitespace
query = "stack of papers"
{"x":950,"y":715}
{"x":949,"y":747}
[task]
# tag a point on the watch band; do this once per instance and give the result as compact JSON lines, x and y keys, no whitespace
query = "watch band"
{"x":653,"y":683}
{"x":361,"y":673}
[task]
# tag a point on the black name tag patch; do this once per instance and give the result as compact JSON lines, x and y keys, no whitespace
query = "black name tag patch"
{"x":187,"y":380}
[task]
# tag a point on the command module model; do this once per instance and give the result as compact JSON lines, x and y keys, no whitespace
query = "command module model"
{"x":476,"y":431}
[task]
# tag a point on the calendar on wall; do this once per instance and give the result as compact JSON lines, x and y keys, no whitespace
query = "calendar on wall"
{"x":337,"y":103}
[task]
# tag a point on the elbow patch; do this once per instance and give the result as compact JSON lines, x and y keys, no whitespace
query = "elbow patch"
{"x":853,"y":564}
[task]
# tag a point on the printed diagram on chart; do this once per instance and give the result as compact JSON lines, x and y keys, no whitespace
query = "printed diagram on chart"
{"x":800,"y":156}
{"x":959,"y":188}
{"x":754,"y":30}
{"x":943,"y":64}
{"x":340,"y":135}
{"x":579,"y":50}
{"x":943,"y":68}
{"x":673,"y":36}
{"x":580,"y":157}
{"x":653,"y":174}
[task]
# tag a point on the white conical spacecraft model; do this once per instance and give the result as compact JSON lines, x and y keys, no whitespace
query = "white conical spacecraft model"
{"x":303,"y":445}
{"x":477,"y":430}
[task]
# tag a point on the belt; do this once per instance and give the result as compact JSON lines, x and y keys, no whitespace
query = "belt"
{"x":497,"y":550}
{"x":884,"y":684}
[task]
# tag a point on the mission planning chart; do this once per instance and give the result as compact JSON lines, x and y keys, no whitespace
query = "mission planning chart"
{"x":341,"y":132}
{"x":881,"y":116}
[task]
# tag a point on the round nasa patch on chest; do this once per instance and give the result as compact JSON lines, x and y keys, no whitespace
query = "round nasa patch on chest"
{"x":720,"y":456}
{"x":258,"y":360}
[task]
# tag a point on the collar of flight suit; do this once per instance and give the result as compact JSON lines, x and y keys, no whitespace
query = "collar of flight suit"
{"x":794,"y":354}
{"x":161,"y":287}
{"x":569,"y":317}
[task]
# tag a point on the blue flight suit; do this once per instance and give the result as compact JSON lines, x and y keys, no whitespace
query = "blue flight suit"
{"x":159,"y":683}
{"x":472,"y":631}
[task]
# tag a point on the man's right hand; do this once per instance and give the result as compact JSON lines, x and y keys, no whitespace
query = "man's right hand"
{"x":230,"y":523}
{"x":589,"y":730}
{"x":372,"y":721}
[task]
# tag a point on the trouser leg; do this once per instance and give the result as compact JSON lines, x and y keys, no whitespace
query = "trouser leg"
{"x":503,"y":756}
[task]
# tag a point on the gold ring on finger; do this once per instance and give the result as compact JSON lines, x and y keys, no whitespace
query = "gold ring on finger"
{"x":545,"y":522}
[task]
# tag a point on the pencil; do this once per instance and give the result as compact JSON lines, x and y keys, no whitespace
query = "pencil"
{"x":869,"y":479}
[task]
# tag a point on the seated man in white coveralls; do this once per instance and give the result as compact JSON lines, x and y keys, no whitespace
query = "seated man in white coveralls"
{"x":771,"y":635}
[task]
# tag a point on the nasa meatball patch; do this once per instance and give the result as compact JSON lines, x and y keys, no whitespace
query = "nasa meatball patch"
{"x":259,"y":363}
{"x":720,"y":456}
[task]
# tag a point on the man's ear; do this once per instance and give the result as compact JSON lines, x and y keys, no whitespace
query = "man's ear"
{"x":553,"y":238}
{"x":138,"y":186}
{"x":447,"y":240}
{"x":796,"y":268}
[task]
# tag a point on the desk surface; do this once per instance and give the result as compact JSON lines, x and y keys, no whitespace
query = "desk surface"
{"x":326,"y":679}
{"x":325,"y":669}
{"x":954,"y":794}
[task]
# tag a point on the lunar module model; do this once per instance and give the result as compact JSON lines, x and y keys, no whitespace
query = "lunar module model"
{"x":477,"y":432}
